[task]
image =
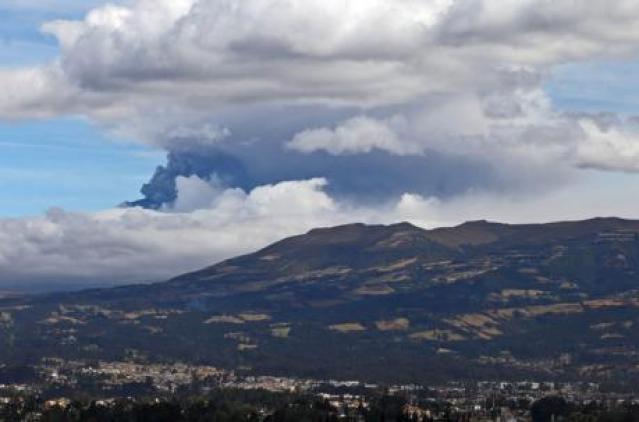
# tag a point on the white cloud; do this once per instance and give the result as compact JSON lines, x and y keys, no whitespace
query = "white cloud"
{"x":518,"y":132}
{"x":186,"y":136}
{"x":125,"y":245}
{"x":37,"y":92}
{"x":135,"y":244}
{"x":170,"y":72}
{"x":357,"y":135}
{"x":194,"y":193}
{"x":360,"y":52}
{"x":407,"y":77}
{"x":613,"y":148}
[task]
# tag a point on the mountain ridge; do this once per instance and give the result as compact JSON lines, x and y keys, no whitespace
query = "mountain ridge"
{"x":384,"y":302}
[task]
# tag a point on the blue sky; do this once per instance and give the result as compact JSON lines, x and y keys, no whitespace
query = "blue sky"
{"x":596,"y":86}
{"x":65,"y":162}
{"x":20,"y":36}
{"x":70,"y":163}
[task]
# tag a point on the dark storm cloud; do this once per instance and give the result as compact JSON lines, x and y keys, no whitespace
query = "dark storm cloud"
{"x":374,"y":177}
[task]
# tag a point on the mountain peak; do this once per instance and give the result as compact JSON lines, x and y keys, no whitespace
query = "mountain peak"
{"x":366,"y":291}
{"x":480,"y":223}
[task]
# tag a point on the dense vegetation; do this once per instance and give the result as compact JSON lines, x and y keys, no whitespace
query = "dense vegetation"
{"x":219,"y":406}
{"x":262,"y":406}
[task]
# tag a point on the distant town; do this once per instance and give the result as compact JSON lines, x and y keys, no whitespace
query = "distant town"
{"x":58,"y":383}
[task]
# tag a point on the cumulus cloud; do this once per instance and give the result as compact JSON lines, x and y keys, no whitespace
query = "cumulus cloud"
{"x":134,"y":244}
{"x":227,"y":51}
{"x":202,"y":136}
{"x":361,"y":52}
{"x":609,"y":148}
{"x":193,"y":193}
{"x":36,"y":92}
{"x":142,"y":245}
{"x":518,"y":132}
{"x":359,"y":134}
{"x":467,"y":75}
{"x":563,"y":30}
{"x":281,"y":115}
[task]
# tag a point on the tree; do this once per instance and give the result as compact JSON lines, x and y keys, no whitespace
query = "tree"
{"x":549,"y":408}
